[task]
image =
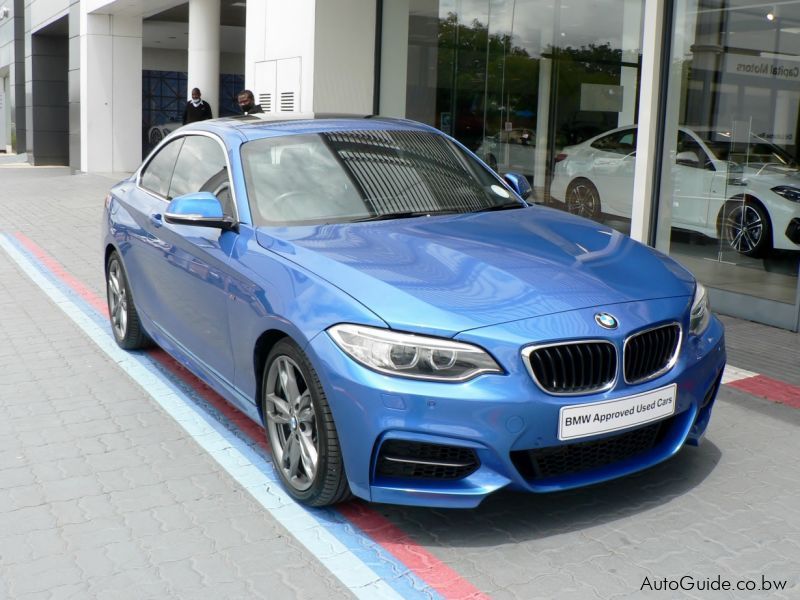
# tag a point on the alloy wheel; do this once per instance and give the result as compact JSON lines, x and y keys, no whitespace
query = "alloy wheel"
{"x":117,"y":300}
{"x":582,"y":200}
{"x":745,"y":228}
{"x":291,"y":423}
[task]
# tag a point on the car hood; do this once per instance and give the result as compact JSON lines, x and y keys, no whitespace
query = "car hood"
{"x":447,"y":274}
{"x":768,"y":176}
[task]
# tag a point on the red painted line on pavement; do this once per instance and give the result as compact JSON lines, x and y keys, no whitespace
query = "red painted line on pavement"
{"x":424,"y":565}
{"x":769,"y":389}
{"x":59,"y":271}
{"x":249,"y":427}
{"x":447,"y":582}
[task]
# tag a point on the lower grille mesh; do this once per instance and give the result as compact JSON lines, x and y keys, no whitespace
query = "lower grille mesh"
{"x":581,"y":457}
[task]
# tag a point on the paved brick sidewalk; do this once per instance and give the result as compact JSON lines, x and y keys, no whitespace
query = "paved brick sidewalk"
{"x":103,"y":495}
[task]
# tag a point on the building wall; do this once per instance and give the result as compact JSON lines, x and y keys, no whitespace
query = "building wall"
{"x":44,"y":12}
{"x":156,"y":59}
{"x":319,"y":53}
{"x":281,"y":34}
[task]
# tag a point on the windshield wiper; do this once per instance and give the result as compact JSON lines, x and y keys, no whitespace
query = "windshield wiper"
{"x":406,"y":215}
{"x":506,"y":206}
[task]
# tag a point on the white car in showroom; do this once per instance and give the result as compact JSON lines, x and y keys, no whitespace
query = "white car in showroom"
{"x":513,"y":150}
{"x":747,"y":193}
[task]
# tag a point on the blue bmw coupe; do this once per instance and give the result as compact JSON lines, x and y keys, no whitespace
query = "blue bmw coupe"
{"x":406,"y":327}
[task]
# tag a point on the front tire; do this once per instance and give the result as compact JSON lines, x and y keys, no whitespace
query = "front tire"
{"x":125,"y":323}
{"x":583,"y":199}
{"x":746,"y":227}
{"x":300,"y":428}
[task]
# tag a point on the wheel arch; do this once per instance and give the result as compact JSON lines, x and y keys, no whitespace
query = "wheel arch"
{"x":110,"y":248}
{"x":264,"y":344}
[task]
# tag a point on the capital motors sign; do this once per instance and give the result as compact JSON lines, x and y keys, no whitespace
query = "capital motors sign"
{"x":760,"y":66}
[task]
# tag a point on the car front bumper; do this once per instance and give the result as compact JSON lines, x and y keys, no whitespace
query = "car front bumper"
{"x":505,"y":421}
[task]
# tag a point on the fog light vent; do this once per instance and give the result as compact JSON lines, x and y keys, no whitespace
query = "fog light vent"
{"x":417,"y":460}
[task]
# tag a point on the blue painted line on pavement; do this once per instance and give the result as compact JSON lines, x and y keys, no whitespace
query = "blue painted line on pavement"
{"x":362,"y":565}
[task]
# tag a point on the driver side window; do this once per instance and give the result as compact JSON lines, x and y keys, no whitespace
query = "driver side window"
{"x":201,"y":167}
{"x":688,"y":144}
{"x":157,"y":174}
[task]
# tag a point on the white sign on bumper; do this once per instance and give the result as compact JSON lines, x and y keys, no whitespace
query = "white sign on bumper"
{"x":582,"y":420}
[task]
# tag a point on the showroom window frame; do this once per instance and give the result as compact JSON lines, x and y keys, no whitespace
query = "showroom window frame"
{"x":656,"y":51}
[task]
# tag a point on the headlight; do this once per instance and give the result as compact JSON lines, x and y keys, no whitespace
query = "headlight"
{"x":788,"y":192}
{"x":414,"y":356}
{"x":701,"y":311}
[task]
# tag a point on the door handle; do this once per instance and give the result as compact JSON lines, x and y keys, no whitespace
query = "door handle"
{"x":155,"y":219}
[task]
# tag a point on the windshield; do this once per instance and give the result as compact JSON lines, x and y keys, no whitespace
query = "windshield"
{"x":346,"y":176}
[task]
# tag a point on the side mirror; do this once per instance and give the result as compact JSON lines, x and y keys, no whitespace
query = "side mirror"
{"x":687,"y":158}
{"x":519,"y":184}
{"x":201,"y":209}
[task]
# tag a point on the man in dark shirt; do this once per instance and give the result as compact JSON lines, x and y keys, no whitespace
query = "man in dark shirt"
{"x":196,"y":109}
{"x":247,"y":103}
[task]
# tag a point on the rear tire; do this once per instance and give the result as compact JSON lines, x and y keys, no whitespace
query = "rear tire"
{"x":300,"y":428}
{"x":125,"y":323}
{"x":583,"y":199}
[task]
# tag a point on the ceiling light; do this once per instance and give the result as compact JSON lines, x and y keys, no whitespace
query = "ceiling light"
{"x":772,"y":15}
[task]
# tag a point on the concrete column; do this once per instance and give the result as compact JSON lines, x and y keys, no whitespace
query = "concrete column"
{"x":647,"y":150}
{"x":74,"y":86}
{"x":394,"y":59}
{"x":344,"y":56}
{"x":5,"y":144}
{"x":547,"y":37}
{"x":203,"y":72}
{"x":110,"y":92}
{"x":15,"y":94}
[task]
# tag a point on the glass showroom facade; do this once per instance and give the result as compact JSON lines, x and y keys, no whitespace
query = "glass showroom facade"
{"x":553,"y":89}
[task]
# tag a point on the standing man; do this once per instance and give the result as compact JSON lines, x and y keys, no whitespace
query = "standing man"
{"x":196,"y":109}
{"x":247,"y":103}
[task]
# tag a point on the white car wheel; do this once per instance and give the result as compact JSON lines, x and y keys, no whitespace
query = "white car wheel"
{"x":747,"y":228}
{"x":583,"y":199}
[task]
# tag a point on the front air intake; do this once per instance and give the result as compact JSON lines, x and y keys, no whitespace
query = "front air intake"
{"x":417,"y":460}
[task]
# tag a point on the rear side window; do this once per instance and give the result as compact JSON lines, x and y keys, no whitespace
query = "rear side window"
{"x":157,"y":174}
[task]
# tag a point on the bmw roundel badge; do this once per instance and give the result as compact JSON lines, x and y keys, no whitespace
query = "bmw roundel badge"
{"x":606,"y":321}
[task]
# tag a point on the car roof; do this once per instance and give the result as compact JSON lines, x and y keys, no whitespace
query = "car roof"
{"x":263,"y":125}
